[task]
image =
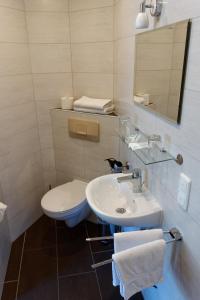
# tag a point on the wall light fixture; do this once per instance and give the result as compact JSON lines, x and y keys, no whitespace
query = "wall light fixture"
{"x":142,"y":20}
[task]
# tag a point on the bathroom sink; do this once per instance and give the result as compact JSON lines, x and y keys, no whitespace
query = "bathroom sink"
{"x":117,"y":204}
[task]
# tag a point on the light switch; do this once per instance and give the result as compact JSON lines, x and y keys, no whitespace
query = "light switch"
{"x":184,"y":191}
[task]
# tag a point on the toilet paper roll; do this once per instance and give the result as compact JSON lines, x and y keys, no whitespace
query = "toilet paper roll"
{"x":3,"y":208}
{"x":67,"y":102}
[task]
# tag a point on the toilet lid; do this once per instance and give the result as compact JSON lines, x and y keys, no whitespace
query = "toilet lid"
{"x":65,"y":197}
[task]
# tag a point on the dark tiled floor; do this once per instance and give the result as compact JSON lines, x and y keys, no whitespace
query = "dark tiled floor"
{"x":53,"y":262}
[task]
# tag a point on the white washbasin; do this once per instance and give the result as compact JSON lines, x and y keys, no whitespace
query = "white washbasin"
{"x":105,"y":196}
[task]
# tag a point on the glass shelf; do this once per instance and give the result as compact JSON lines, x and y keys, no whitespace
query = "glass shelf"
{"x":149,"y":152}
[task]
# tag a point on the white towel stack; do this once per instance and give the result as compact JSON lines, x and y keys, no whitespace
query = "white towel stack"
{"x":93,"y":105}
{"x":138,"y":260}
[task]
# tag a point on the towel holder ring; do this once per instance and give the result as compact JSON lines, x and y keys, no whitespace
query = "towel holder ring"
{"x":173,"y":232}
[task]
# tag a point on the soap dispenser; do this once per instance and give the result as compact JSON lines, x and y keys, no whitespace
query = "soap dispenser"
{"x":115,"y":165}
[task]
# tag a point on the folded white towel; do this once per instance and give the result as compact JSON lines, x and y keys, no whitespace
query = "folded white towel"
{"x":139,"y":99}
{"x":105,"y":111}
{"x":3,"y":208}
{"x":137,"y":146}
{"x":125,"y":240}
{"x":92,"y":103}
{"x":139,"y":267}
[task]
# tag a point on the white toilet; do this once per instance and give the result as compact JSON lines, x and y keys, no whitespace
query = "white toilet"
{"x":67,"y":202}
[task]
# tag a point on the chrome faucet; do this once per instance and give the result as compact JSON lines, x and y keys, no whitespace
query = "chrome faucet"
{"x":136,"y":175}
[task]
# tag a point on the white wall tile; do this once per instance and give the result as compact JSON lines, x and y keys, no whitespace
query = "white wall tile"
{"x":92,"y":57}
{"x":48,"y":27}
{"x":19,"y":4}
{"x":14,"y":59}
{"x":85,"y":159}
{"x":49,"y":179}
{"x":28,"y":140}
{"x":5,"y":248}
{"x":125,"y":12}
{"x":15,"y":90}
{"x":124,"y":56}
{"x":70,"y":163}
{"x":15,"y":119}
{"x":182,"y":139}
{"x":89,"y":4}
{"x":4,"y":155}
{"x":44,"y":110}
{"x":18,"y":128}
{"x":14,"y":22}
{"x":46,"y":5}
{"x":52,"y":86}
{"x":124,"y":88}
{"x":92,"y":25}
{"x":62,"y":178}
{"x":193,"y":69}
{"x":96,"y":153}
{"x":26,"y":217}
{"x":48,"y":160}
{"x":50,"y":58}
{"x":93,"y":85}
{"x":46,"y":138}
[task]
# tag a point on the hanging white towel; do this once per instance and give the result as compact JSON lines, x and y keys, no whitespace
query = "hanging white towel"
{"x":105,"y":111}
{"x":125,"y":240}
{"x":139,"y":267}
{"x":92,"y":103}
{"x":3,"y":208}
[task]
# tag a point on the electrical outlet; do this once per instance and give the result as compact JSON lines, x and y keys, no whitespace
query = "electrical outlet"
{"x":184,"y":191}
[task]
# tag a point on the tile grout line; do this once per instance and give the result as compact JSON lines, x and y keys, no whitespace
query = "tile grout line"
{"x":39,"y":249}
{"x":88,"y":9}
{"x":114,"y":58}
{"x":70,"y":47}
{"x":103,"y":251}
{"x":64,"y":11}
{"x":58,"y":288}
{"x":10,"y":281}
{"x":61,"y":43}
{"x":20,"y":266}
{"x":75,"y":274}
{"x":95,"y":271}
{"x":14,"y":8}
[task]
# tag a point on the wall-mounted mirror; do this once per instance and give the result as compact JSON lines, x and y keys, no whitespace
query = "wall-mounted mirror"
{"x":160,"y":66}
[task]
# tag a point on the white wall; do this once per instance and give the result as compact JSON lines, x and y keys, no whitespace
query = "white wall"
{"x":71,"y":47}
{"x":91,"y":26}
{"x":49,"y":44}
{"x":48,"y":49}
{"x":76,"y":158}
{"x":20,"y":160}
{"x":182,"y":279}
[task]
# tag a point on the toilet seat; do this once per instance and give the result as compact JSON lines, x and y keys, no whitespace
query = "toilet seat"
{"x":66,"y":198}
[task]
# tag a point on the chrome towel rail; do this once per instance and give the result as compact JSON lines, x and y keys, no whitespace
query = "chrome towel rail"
{"x":174,"y":233}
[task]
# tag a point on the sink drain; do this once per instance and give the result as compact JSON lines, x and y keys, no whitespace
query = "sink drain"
{"x":120,"y":210}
